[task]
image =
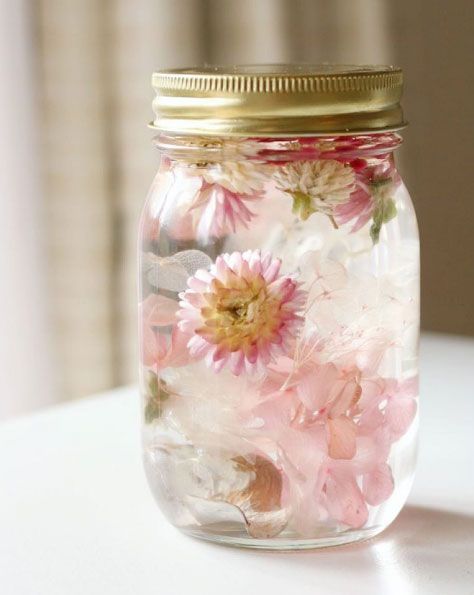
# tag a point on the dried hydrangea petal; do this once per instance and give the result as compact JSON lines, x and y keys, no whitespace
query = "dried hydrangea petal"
{"x":260,"y":501}
{"x":264,"y":525}
{"x":172,"y":272}
{"x":216,"y":513}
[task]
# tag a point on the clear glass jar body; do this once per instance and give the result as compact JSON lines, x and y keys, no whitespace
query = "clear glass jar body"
{"x":279,"y":325}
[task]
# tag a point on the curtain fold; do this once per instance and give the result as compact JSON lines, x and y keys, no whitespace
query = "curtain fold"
{"x":26,"y":376}
{"x":434,"y":43}
{"x":354,"y":32}
{"x":247,"y":32}
{"x":77,"y":192}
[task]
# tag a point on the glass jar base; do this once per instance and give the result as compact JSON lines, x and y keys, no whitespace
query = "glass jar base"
{"x":282,"y":543}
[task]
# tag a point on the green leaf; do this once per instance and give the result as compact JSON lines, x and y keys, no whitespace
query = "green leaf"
{"x":375,"y":232}
{"x":390,"y":210}
{"x":384,"y":212}
{"x":380,"y":182}
{"x":156,"y":394}
{"x":302,"y":205}
{"x":153,"y":387}
{"x":153,"y":410}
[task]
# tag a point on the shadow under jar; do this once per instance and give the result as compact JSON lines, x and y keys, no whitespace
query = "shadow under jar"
{"x":279,"y":316}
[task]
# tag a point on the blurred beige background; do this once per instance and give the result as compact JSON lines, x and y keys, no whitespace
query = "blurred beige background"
{"x":76,"y":158}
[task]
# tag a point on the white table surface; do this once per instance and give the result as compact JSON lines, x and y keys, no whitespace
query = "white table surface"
{"x":76,"y":516}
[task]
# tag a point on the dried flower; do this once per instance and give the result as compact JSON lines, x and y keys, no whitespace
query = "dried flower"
{"x":371,"y":199}
{"x":240,"y":177}
{"x":315,"y":186}
{"x":242,"y":312}
{"x":263,"y":492}
{"x":196,"y":150}
{"x":260,"y":501}
{"x":221,"y":205}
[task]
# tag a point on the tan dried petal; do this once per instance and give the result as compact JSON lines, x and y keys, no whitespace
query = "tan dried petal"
{"x":263,"y":525}
{"x":260,"y":501}
{"x":263,"y":493}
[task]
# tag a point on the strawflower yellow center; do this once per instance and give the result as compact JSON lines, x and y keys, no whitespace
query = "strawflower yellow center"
{"x":239,"y":313}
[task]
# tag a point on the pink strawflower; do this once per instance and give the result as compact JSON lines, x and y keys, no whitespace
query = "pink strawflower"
{"x":207,"y":202}
{"x":242,"y":312}
{"x":221,"y":211}
{"x":221,"y":205}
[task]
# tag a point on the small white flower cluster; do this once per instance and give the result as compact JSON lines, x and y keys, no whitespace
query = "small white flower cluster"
{"x":241,"y":177}
{"x":325,"y":183}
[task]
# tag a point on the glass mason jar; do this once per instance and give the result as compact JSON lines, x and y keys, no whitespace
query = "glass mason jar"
{"x":279,"y":317}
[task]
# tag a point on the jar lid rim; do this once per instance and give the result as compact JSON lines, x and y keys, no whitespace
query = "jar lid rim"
{"x":278,"y":99}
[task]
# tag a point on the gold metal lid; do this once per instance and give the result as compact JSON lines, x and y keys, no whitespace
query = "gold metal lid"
{"x":278,"y":100}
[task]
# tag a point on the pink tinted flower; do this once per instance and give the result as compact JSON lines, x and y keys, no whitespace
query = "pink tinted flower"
{"x":359,"y":209}
{"x":221,"y":205}
{"x":332,"y":425}
{"x":327,"y":398}
{"x":208,"y":202}
{"x":220,"y":211}
{"x":371,"y":197}
{"x":242,"y":312}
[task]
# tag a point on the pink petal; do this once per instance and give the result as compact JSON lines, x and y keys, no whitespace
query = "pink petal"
{"x":303,"y":450}
{"x":272,"y":271}
{"x":341,"y":437}
{"x":399,"y":414}
{"x":197,"y":346}
{"x":158,"y":310}
{"x":410,"y":387}
{"x":344,"y":499}
{"x":344,"y":395}
{"x":150,"y":349}
{"x":368,"y":359}
{"x":372,"y":393}
{"x":378,"y":485}
{"x":237,"y":360}
{"x":371,"y":419}
{"x":313,"y":388}
{"x":178,"y":353}
{"x":372,"y":450}
{"x":276,"y":412}
{"x":219,"y":364}
{"x":182,"y":228}
{"x":252,"y":353}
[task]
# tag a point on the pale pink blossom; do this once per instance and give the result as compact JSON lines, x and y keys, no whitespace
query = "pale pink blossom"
{"x":222,"y":204}
{"x":320,"y":395}
{"x":216,"y":210}
{"x":206,"y":203}
{"x":332,"y":424}
{"x":242,"y":312}
{"x":390,"y":405}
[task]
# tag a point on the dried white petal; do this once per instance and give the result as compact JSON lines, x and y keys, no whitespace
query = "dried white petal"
{"x":172,"y":272}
